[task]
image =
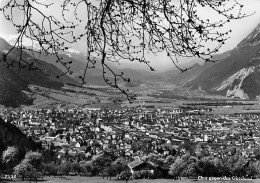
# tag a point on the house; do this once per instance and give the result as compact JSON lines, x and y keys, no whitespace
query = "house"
{"x":145,"y":169}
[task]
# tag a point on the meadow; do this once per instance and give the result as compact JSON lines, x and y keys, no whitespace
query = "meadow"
{"x":79,"y":179}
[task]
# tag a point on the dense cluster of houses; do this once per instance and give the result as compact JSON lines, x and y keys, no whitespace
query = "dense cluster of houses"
{"x":136,"y":131}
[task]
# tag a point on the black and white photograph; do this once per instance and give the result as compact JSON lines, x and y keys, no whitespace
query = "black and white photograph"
{"x":129,"y":91}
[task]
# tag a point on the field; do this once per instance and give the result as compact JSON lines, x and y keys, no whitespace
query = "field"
{"x":78,"y":179}
{"x":147,"y":95}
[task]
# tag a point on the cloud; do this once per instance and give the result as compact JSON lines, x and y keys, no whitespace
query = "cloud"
{"x":73,"y":51}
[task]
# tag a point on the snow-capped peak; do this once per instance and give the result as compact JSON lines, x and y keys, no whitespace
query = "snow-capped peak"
{"x":70,"y":50}
{"x":12,"y":38}
{"x":68,"y":54}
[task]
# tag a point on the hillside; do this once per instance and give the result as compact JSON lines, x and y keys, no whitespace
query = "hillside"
{"x":236,"y":74}
{"x":184,"y":78}
{"x":14,"y":80}
{"x":10,"y":135}
{"x":228,"y":76}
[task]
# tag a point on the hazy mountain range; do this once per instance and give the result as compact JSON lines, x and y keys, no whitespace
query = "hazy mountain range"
{"x":13,"y":81}
{"x":236,"y":74}
{"x":94,"y":75}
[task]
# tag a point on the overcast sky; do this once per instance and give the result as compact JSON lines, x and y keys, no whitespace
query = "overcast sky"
{"x":240,"y":29}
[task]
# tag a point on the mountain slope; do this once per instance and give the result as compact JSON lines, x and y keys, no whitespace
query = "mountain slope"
{"x":11,"y":86}
{"x":13,"y":80}
{"x":236,"y":75}
{"x":184,"y":78}
{"x":181,"y":78}
{"x":94,"y":76}
{"x":10,"y":135}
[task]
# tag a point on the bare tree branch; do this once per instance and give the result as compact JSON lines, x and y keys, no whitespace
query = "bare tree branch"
{"x":118,"y":30}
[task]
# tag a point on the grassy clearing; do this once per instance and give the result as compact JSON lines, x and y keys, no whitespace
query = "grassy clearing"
{"x":79,"y":179}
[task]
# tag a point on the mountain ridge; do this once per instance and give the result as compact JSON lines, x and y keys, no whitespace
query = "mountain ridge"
{"x":237,"y":75}
{"x":14,"y":80}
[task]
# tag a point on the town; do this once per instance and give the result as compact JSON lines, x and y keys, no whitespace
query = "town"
{"x":139,"y":133}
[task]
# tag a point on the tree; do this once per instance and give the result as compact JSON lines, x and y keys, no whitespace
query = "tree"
{"x":253,"y":169}
{"x":125,"y":175}
{"x":1,"y":167}
{"x":178,"y":167}
{"x":257,"y":153}
{"x":101,"y":162}
{"x":119,"y":165}
{"x":64,"y":168}
{"x":117,"y":30}
{"x":86,"y":168}
{"x":201,"y":151}
{"x":10,"y":158}
{"x":30,"y":166}
{"x":206,"y":167}
{"x":49,"y":168}
{"x":169,"y":161}
{"x":157,"y":159}
{"x":191,"y":169}
{"x":75,"y":167}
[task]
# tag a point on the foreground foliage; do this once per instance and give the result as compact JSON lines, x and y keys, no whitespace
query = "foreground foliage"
{"x":108,"y":164}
